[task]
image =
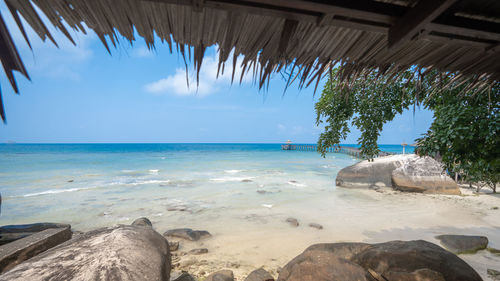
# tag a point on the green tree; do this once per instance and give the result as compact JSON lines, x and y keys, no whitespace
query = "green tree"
{"x":464,"y":133}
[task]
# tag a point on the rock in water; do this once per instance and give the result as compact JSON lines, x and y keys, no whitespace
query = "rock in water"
{"x":459,"y":244}
{"x":425,"y":175}
{"x":222,"y":275}
{"x":293,"y":222}
{"x":316,"y":225}
{"x":394,"y":260}
{"x":187,"y":233}
{"x":117,"y":253}
{"x":367,"y":174}
{"x":259,"y":275}
{"x":142,"y":222}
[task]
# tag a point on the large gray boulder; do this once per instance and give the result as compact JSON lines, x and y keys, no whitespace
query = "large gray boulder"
{"x":424,"y":175}
{"x":409,"y":173}
{"x":394,"y":260}
{"x":366,"y":174}
{"x":115,"y":253}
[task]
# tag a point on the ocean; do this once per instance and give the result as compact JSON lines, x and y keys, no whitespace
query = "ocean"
{"x":94,"y":185}
{"x":241,"y":193}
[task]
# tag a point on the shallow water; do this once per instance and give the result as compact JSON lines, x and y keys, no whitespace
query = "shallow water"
{"x":241,"y":193}
{"x":92,"y":185}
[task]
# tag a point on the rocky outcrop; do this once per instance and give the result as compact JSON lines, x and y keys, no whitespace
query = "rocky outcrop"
{"x":259,"y":275}
{"x":16,"y":252}
{"x":374,"y":174}
{"x":409,"y":173}
{"x":187,"y":233}
{"x":424,"y":175}
{"x":395,"y":260}
{"x":10,"y":233}
{"x":222,"y":275}
{"x":460,"y":244}
{"x":115,"y":253}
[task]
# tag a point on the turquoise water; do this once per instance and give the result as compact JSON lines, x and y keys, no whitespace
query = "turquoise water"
{"x":92,"y":185}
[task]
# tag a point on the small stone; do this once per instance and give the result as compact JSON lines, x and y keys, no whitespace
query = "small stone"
{"x":222,"y":275}
{"x":259,"y":275}
{"x":187,"y":233}
{"x":181,"y":276}
{"x":199,"y":251}
{"x":293,"y":222}
{"x":494,"y":251}
{"x":261,"y":191}
{"x":494,"y":274}
{"x":246,"y":180}
{"x":142,"y":222}
{"x":71,"y":180}
{"x":186,"y":263}
{"x":316,"y":225}
{"x":459,"y":244}
{"x":494,"y":208}
{"x":173,"y":245}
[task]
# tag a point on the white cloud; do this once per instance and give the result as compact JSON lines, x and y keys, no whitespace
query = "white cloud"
{"x":207,"y":84}
{"x":176,"y":84}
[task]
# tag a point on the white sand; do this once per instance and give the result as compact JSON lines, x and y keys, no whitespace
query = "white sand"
{"x":255,"y":237}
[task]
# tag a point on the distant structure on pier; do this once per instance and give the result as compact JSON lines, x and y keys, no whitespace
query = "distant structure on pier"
{"x":353,"y":151}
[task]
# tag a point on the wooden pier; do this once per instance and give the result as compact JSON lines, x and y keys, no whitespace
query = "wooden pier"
{"x":354,"y":152}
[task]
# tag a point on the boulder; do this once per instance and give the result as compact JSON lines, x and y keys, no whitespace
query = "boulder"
{"x":326,"y":262}
{"x":142,"y":222}
{"x":10,"y":233}
{"x":114,"y":253}
{"x":394,"y":260}
{"x":460,"y":244}
{"x":16,"y":252}
{"x":259,"y":275}
{"x":424,"y":175}
{"x":221,"y":275}
{"x":187,"y":233}
{"x":375,"y":174}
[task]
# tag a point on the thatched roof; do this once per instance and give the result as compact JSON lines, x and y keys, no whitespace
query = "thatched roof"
{"x":459,"y":37}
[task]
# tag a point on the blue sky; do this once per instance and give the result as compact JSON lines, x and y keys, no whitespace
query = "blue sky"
{"x":83,"y":94}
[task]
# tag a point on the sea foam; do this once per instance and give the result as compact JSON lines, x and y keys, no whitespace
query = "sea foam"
{"x":54,"y":191}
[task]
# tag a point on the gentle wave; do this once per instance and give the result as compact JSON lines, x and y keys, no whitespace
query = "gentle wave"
{"x":232,"y":171}
{"x":154,"y":172}
{"x":54,"y":191}
{"x":294,"y":183}
{"x":228,"y":179}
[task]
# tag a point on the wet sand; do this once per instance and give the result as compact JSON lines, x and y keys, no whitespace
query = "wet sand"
{"x":255,"y":237}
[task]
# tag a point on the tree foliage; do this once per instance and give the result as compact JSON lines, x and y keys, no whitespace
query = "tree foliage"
{"x":464,"y":134}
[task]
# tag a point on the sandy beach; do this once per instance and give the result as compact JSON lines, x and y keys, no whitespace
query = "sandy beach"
{"x":261,"y":237}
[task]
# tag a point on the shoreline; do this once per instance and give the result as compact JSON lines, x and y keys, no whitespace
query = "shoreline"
{"x":266,"y":240}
